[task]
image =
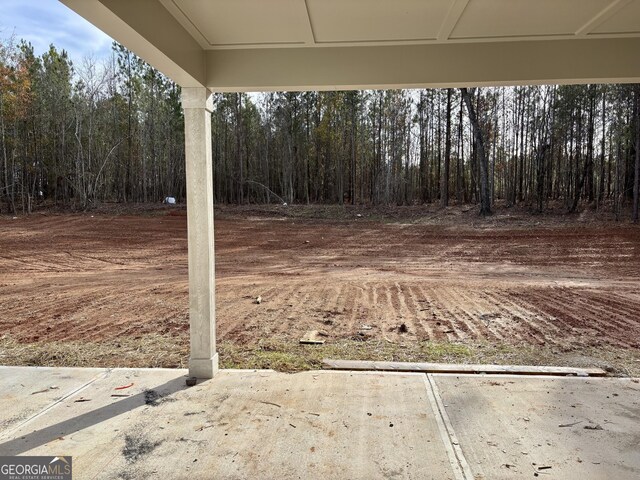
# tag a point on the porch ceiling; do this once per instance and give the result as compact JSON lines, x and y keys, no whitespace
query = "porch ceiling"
{"x":244,"y":45}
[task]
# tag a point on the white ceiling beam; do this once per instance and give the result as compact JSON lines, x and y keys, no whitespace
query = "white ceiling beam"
{"x":602,"y":16}
{"x":151,"y":32}
{"x":417,"y":66}
{"x":451,"y":20}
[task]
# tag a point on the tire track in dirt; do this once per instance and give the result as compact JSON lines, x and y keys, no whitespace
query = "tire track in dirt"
{"x":440,"y":315}
{"x":359,"y":309}
{"x":628,"y":309}
{"x":100,"y":312}
{"x":339,"y":299}
{"x":383,"y":308}
{"x":580,"y":321}
{"x":403,"y":315}
{"x":555,"y":308}
{"x":414,"y":310}
{"x":418,"y":304}
{"x":355,"y":312}
{"x":592,"y":313}
{"x":607,"y":310}
{"x":408,"y":311}
{"x":539,"y":329}
{"x":481,"y":329}
{"x":562,"y":328}
{"x":470,"y":323}
{"x":458,"y":329}
{"x":238,"y":313}
{"x":520,"y":321}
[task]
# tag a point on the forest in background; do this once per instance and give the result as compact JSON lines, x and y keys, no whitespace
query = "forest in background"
{"x":78,"y":135}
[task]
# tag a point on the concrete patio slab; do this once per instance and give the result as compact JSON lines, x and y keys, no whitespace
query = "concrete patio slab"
{"x":241,"y":424}
{"x":29,"y":391}
{"x":510,"y":426}
{"x":142,"y":423}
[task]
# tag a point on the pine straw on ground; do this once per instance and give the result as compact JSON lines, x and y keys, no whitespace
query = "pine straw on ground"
{"x":149,"y":351}
{"x":157,"y":351}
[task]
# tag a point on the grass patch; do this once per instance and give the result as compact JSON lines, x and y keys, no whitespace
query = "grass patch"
{"x":293,"y":357}
{"x":157,"y":351}
{"x":445,"y":352}
{"x":149,"y":351}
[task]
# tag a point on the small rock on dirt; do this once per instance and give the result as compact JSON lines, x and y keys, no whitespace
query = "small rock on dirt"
{"x":191,"y":381}
{"x":311,"y":338}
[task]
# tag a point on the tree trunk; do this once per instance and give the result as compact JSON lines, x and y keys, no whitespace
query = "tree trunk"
{"x":603,"y":145}
{"x":590,"y":147}
{"x":460,"y":164}
{"x":485,"y":197}
{"x":520,"y":196}
{"x":238,"y":105}
{"x":444,"y":187}
{"x":636,"y":180}
{"x":423,"y":161}
{"x":354,"y":154}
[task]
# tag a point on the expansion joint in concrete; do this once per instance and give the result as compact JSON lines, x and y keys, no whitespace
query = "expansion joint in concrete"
{"x":459,"y":464}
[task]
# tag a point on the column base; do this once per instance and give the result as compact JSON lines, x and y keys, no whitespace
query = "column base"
{"x":204,"y":368}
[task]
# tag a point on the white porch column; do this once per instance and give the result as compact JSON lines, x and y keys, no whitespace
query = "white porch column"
{"x":198,"y":105}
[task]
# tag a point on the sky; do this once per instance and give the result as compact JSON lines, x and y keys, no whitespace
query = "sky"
{"x":43,"y":22}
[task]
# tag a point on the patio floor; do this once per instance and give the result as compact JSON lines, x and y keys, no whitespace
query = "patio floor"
{"x":322,"y":424}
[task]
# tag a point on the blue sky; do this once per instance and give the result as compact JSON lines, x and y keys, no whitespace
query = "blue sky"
{"x":43,"y":22}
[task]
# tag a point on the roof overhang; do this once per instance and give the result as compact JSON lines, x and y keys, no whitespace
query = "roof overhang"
{"x":258,"y":45}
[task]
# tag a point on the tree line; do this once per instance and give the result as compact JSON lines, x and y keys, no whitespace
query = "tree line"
{"x":114,"y":131}
{"x":78,"y":135}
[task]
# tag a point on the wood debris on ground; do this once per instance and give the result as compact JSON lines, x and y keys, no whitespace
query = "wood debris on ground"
{"x":312,"y":337}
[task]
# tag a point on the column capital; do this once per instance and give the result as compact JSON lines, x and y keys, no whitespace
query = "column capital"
{"x":197,"y":97}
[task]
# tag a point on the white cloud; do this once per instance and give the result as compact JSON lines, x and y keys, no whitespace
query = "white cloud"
{"x":45,"y":22}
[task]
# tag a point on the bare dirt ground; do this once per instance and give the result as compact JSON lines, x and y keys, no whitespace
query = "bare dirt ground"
{"x":111,"y":289}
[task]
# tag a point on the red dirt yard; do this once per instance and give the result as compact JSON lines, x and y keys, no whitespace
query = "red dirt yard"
{"x":441,"y":285}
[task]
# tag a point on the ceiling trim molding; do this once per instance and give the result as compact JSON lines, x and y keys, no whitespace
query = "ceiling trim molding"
{"x":451,"y":20}
{"x":602,"y":16}
{"x":186,"y":22}
{"x":311,"y":36}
